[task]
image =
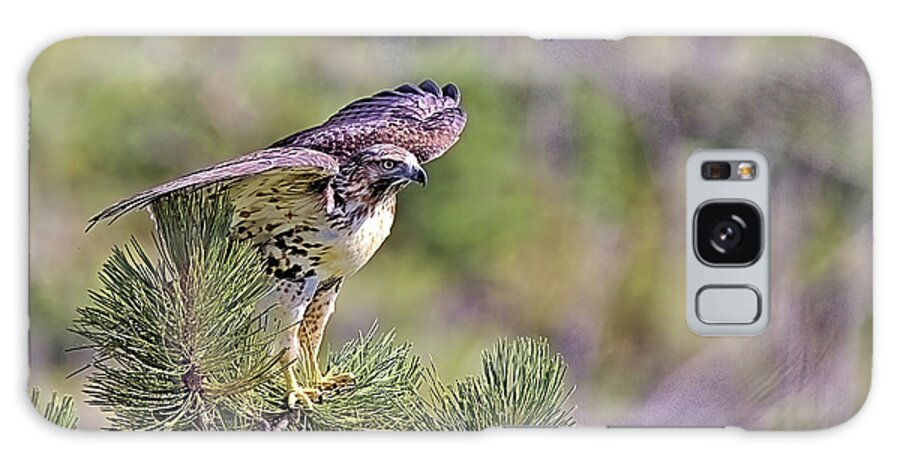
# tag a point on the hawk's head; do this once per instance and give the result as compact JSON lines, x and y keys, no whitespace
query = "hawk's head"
{"x":378,"y":172}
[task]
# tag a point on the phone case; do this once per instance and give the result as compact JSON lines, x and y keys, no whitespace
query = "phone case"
{"x":538,"y":280}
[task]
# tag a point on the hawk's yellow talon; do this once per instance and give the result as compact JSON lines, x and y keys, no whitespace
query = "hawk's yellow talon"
{"x":336,"y":381}
{"x":295,"y":393}
{"x":304,"y":396}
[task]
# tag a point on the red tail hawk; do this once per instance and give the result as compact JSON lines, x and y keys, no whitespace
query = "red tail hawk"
{"x":319,"y":203}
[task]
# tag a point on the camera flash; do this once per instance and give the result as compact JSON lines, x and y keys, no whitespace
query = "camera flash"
{"x":746,"y":170}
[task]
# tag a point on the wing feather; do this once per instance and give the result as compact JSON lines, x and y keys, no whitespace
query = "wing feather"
{"x":424,"y":119}
{"x":313,"y":165}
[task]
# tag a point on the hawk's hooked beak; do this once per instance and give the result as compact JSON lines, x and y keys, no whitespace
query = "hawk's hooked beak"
{"x":417,"y":174}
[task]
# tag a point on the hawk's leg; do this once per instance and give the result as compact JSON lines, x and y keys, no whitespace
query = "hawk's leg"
{"x":293,"y":300}
{"x":312,"y":329}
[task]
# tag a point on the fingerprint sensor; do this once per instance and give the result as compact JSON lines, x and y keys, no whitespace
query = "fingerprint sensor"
{"x":728,"y":304}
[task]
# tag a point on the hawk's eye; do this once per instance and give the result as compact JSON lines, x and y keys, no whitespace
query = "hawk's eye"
{"x":387,"y":165}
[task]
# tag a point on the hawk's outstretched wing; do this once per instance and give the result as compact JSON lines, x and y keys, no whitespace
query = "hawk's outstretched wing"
{"x":306,"y":166}
{"x":425,"y":120}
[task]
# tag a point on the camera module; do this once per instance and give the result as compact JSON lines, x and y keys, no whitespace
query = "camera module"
{"x":728,"y":233}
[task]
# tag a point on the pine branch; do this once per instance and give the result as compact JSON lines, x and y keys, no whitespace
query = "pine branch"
{"x":521,"y":384}
{"x":177,"y":344}
{"x":60,"y":409}
{"x":384,"y":396}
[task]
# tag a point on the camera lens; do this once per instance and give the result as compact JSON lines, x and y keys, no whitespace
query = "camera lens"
{"x":728,"y":233}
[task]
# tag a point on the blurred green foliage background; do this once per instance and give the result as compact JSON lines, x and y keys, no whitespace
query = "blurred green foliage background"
{"x":559,"y":213}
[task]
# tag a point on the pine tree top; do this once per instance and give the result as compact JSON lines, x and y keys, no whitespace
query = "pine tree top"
{"x":179,"y":342}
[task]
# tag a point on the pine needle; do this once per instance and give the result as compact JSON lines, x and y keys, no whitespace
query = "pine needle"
{"x":60,"y":409}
